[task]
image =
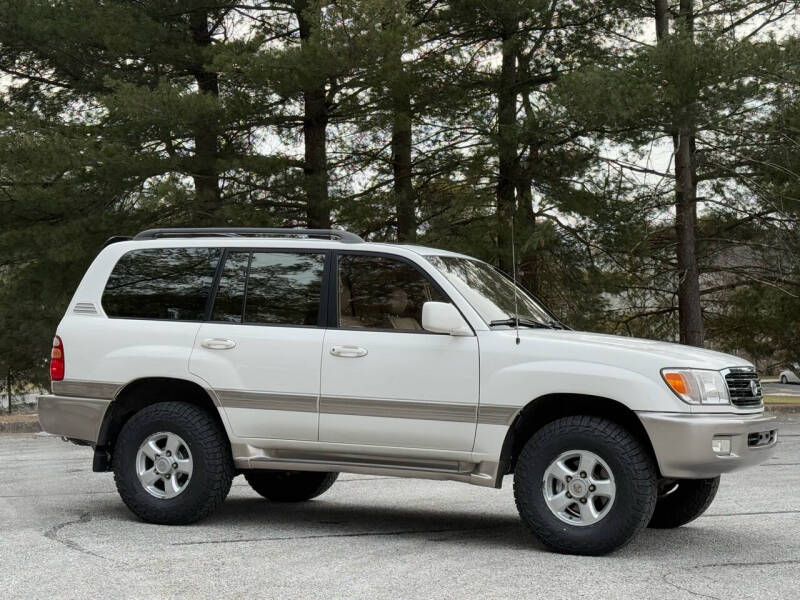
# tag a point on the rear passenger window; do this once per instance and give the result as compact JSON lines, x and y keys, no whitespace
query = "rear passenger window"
{"x":161,"y":283}
{"x":229,"y":302}
{"x":270,"y":288}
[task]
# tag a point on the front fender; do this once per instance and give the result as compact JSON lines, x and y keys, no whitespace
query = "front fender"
{"x":517,"y":385}
{"x":507,"y":390}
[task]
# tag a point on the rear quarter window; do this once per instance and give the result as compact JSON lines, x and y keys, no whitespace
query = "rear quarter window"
{"x":161,"y":283}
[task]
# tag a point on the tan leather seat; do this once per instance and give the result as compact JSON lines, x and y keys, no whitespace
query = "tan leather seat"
{"x":398,"y":307}
{"x":346,"y":318}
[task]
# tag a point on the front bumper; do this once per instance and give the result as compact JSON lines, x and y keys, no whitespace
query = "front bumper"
{"x":74,"y":418}
{"x":682,"y":442}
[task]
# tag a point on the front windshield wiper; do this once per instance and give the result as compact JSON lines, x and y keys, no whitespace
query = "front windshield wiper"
{"x":523,"y":322}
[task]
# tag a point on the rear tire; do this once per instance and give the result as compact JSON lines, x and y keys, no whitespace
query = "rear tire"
{"x":684,"y":502}
{"x":198,"y":449}
{"x":290,"y":486}
{"x":620,"y":468}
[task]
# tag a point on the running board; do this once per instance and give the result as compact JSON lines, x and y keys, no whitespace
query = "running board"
{"x":483,"y":474}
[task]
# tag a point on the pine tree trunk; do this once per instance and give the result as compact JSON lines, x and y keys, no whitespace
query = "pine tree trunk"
{"x":205,"y":170}
{"x":690,"y":311}
{"x":689,"y":307}
{"x":405,"y":203}
{"x":506,"y":149}
{"x":315,"y":130}
{"x":690,"y":314}
{"x":529,"y":267}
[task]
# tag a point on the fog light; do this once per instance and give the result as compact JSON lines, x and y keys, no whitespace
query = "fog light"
{"x":721,"y":446}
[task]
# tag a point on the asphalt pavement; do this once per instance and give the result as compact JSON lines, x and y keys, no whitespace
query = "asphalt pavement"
{"x":64,"y":533}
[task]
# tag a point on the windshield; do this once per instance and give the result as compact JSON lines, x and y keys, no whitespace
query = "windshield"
{"x":489,"y":292}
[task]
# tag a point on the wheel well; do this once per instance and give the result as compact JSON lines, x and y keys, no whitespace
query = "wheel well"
{"x":546,"y":409}
{"x":139,"y":394}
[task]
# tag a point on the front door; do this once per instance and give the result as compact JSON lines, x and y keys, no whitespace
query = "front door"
{"x":386,"y":381}
{"x":261,"y":350}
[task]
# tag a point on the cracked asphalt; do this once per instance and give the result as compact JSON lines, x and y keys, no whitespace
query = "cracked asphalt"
{"x":64,"y":533}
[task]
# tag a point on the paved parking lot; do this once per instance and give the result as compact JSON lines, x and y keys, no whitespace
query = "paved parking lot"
{"x":64,"y":533}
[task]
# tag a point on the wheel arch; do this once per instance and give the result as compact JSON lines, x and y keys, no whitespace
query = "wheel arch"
{"x":546,"y":409}
{"x":140,"y":393}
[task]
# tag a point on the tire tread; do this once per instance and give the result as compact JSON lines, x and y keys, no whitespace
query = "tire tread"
{"x":642,"y":475}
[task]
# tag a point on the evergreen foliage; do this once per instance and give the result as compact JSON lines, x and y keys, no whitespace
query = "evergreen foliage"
{"x":646,"y":153}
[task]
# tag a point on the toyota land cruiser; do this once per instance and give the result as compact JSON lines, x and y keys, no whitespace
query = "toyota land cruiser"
{"x":189,"y":356}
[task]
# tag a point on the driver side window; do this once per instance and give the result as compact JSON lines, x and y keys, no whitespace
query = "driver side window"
{"x":376,"y":292}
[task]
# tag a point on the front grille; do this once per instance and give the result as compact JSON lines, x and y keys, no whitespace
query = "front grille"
{"x":744,"y":387}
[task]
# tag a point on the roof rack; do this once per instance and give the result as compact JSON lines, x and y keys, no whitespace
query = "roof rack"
{"x":333,"y":234}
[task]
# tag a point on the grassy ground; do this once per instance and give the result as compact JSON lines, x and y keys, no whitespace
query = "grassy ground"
{"x":782,"y":400}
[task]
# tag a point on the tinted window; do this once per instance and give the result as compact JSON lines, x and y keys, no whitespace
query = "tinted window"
{"x":382,"y":293}
{"x":229,"y":302}
{"x":278,"y":288}
{"x":161,"y":283}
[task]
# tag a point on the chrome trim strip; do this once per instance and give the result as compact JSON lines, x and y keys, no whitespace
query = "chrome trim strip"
{"x":86,"y":389}
{"x":496,"y":414}
{"x":399,"y":409}
{"x":267,"y":401}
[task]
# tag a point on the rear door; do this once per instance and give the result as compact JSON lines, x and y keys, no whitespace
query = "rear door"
{"x":260,"y":351}
{"x":386,"y":381}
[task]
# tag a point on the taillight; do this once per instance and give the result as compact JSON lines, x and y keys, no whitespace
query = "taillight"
{"x":57,"y":360}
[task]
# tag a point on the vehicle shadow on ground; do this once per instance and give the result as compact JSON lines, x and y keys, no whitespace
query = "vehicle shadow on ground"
{"x":255,"y":519}
{"x":242,"y":520}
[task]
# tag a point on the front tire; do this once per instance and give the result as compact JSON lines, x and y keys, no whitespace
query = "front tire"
{"x":784,"y":380}
{"x":683,"y":501}
{"x":290,"y":486}
{"x":584,"y":485}
{"x":172,"y":464}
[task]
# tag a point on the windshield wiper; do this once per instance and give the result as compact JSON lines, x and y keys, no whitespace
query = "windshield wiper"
{"x":523,"y":322}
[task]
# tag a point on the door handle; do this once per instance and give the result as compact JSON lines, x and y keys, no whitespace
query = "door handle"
{"x":218,"y":344}
{"x":349,"y":351}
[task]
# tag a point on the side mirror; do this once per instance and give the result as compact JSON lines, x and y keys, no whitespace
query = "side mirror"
{"x":443,"y":317}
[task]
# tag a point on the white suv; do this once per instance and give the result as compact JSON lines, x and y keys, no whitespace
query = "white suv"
{"x":188,"y":356}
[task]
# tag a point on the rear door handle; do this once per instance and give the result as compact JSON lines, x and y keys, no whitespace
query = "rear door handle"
{"x":219,"y":344}
{"x":349,"y":351}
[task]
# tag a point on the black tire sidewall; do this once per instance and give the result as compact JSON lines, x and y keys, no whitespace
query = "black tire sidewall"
{"x":625,"y":517}
{"x":186,"y":506}
{"x":290,"y":486}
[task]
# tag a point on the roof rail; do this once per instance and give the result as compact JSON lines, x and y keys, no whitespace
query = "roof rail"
{"x":116,"y":238}
{"x":333,"y":234}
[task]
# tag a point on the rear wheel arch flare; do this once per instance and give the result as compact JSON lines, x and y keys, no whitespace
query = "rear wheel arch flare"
{"x":140,"y":393}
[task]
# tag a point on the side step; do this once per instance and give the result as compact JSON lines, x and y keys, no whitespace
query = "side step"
{"x":483,"y":474}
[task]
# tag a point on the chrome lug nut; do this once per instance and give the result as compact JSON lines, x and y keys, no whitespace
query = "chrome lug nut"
{"x":592,"y":488}
{"x":583,"y":500}
{"x":569,"y":495}
{"x":174,"y":465}
{"x":583,"y":474}
{"x":569,"y":477}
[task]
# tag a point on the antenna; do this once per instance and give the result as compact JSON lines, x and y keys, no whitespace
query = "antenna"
{"x":514,"y":275}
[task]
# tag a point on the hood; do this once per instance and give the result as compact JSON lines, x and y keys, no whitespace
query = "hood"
{"x":615,"y":349}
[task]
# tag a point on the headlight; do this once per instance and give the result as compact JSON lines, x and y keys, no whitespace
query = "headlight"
{"x":697,"y":386}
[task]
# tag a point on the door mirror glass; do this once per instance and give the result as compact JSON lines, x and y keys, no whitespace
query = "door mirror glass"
{"x":442,"y":317}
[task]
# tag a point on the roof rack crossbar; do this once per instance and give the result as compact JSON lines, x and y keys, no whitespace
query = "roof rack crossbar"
{"x":333,"y":234}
